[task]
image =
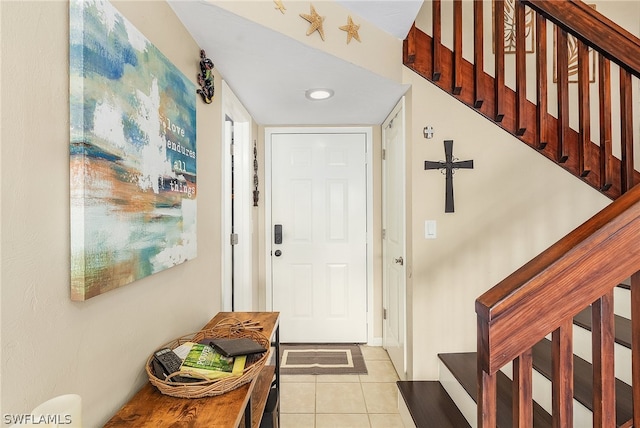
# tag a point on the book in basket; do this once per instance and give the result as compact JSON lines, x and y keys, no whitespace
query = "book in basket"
{"x":204,"y":360}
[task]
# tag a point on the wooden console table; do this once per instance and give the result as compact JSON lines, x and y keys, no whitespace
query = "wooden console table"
{"x":150,"y":408}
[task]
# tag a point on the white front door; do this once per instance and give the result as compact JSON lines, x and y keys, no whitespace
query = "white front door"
{"x":318,"y":236}
{"x":393,"y":243}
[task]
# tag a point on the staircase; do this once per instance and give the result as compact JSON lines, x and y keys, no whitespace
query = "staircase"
{"x":551,"y":349}
{"x":451,"y":401}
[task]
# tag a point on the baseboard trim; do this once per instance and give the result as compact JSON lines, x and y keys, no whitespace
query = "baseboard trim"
{"x":376,"y":341}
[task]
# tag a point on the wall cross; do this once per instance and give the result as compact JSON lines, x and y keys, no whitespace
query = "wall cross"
{"x":447,"y":168}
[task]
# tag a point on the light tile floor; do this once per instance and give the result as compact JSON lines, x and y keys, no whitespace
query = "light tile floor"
{"x":343,"y":401}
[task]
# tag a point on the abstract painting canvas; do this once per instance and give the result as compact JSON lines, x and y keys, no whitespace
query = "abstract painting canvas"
{"x":132,"y":154}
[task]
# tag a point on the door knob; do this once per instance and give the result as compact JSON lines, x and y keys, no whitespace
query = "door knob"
{"x":278,"y":253}
{"x":399,"y":260}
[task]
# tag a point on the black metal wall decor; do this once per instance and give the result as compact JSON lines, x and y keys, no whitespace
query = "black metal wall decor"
{"x":256,"y":193}
{"x":448,"y":168}
{"x":205,"y":78}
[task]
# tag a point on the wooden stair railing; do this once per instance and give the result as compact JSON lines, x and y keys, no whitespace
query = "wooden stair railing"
{"x":583,"y":268}
{"x":543,"y":296}
{"x":531,"y":122}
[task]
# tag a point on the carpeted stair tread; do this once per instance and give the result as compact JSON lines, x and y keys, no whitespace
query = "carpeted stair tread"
{"x":463,"y":367}
{"x":430,"y":405}
{"x":583,"y":382}
{"x":622,"y":326}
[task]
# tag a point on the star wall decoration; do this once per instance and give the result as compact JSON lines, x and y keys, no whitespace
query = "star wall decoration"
{"x":316,"y":22}
{"x":351,"y":29}
{"x":279,"y":5}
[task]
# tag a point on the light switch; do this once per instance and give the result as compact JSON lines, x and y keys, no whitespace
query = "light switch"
{"x":430,"y":229}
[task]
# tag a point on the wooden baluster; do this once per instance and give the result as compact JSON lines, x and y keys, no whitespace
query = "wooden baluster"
{"x":437,"y":37}
{"x":409,"y":46}
{"x":602,"y":349}
{"x":562,"y":78}
{"x":635,"y":346}
{"x":606,"y":157}
{"x":487,"y":402}
{"x":478,"y":53}
{"x":562,"y":375}
{"x":522,"y":393}
{"x":457,"y":47}
{"x":584,"y":110}
{"x":521,"y":69}
{"x":499,"y":60}
{"x":626,"y":131}
{"x":542,"y":111}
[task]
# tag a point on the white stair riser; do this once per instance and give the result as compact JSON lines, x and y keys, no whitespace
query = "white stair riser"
{"x":405,"y":415}
{"x":622,"y":302}
{"x":460,"y":397}
{"x":582,"y":417}
{"x":582,"y":348}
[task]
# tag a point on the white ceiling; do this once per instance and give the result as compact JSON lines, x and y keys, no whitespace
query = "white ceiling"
{"x":393,"y":16}
{"x":256,"y":63}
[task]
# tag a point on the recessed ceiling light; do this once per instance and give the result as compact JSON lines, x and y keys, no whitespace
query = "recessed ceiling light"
{"x":318,"y":94}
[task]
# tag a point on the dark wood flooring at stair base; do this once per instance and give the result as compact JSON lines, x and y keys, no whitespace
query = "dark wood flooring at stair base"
{"x":463,"y":367}
{"x":430,"y":405}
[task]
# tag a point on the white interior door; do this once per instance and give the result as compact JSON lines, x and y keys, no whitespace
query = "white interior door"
{"x":237,"y":201}
{"x":393,"y":242}
{"x":227,"y":217}
{"x":319,"y":266}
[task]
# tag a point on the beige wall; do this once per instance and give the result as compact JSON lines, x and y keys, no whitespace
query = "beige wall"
{"x":509,"y":208}
{"x":512,"y":206}
{"x":51,"y":345}
{"x":377,"y":236}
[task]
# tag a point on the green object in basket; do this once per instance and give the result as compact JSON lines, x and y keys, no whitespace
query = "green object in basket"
{"x":204,"y":360}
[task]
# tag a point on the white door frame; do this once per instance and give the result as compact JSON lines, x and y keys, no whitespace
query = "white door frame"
{"x":243,"y":154}
{"x":369,"y":183}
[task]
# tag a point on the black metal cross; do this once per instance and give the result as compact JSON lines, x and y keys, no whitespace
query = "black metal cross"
{"x":448,"y":166}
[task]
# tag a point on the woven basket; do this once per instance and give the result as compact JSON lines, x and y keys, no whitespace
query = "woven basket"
{"x":226,"y":328}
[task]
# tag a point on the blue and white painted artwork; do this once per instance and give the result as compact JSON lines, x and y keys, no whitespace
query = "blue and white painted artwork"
{"x":132,"y":154}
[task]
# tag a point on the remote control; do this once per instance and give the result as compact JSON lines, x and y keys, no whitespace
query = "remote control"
{"x":168,"y":360}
